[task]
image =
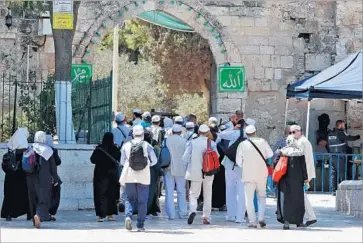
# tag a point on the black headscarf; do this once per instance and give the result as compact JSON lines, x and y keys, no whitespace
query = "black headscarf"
{"x":107,"y":141}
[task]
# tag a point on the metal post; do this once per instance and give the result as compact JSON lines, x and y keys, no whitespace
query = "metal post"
{"x":286,"y":108}
{"x":115,"y":68}
{"x":27,"y":65}
{"x":307,"y":120}
{"x":14,"y":111}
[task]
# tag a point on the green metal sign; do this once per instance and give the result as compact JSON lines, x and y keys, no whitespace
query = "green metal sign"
{"x":231,"y":79}
{"x":81,"y":73}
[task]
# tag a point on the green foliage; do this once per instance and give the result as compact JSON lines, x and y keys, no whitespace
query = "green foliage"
{"x":40,"y":109}
{"x":192,"y":103}
{"x":133,"y":36}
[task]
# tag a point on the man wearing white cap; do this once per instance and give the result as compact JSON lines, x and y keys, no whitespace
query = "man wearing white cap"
{"x":137,"y":156}
{"x":305,"y":145}
{"x":189,"y":134}
{"x":235,"y":198}
{"x":180,"y":121}
{"x":193,"y":162}
{"x":251,"y":156}
{"x":155,"y":128}
{"x":137,"y":117}
{"x":175,"y":174}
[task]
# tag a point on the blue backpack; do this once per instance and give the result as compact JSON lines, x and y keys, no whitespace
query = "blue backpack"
{"x":164,"y":156}
{"x":30,"y":162}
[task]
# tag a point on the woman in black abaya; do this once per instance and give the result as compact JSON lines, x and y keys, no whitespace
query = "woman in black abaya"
{"x":106,"y":188}
{"x":16,"y":201}
{"x":290,"y":195}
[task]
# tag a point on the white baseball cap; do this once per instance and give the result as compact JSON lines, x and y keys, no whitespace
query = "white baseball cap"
{"x":137,"y":111}
{"x":250,"y":129}
{"x":177,"y":128}
{"x":189,"y":125}
{"x":119,"y":117}
{"x":213,"y":120}
{"x":155,"y":118}
{"x":204,"y":128}
{"x":137,"y":130}
{"x":146,"y":114}
{"x":178,"y":119}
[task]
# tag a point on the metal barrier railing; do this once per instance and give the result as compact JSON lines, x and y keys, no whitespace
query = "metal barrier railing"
{"x":333,"y":168}
{"x":345,"y":167}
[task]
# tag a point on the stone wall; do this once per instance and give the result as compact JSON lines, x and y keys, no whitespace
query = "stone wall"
{"x":76,"y":173}
{"x":349,"y":198}
{"x":278,"y":42}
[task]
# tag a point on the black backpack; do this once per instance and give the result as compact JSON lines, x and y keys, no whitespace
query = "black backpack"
{"x":9,"y":161}
{"x":137,"y":160}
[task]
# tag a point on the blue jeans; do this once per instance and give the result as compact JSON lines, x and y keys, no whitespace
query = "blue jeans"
{"x":137,"y":197}
{"x":255,"y":202}
{"x":170,"y":182}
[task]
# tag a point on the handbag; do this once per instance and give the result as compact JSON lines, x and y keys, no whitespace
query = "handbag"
{"x":280,"y":169}
{"x":231,"y":151}
{"x":164,"y":156}
{"x":269,"y":169}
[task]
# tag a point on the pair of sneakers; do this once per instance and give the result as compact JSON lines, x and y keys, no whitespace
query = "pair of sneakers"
{"x":128,"y":225}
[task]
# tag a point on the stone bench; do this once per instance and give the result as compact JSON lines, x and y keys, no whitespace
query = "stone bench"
{"x":349,"y":198}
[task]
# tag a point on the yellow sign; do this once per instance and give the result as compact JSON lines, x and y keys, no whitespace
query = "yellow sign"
{"x":63,"y":21}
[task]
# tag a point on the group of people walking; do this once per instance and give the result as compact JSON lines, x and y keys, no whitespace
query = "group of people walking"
{"x":209,"y":165}
{"x":135,"y":157}
{"x":32,"y":184}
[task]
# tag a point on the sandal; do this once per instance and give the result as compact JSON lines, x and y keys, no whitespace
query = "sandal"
{"x":110,"y":218}
{"x":100,"y":220}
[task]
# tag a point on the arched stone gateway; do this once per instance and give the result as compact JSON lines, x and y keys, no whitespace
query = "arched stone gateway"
{"x":192,"y":13}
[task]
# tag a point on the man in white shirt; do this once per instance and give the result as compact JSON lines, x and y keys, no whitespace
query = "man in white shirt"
{"x":136,"y":156}
{"x":189,"y":134}
{"x":175,"y":174}
{"x":305,"y":145}
{"x":254,"y":173}
{"x":193,"y":162}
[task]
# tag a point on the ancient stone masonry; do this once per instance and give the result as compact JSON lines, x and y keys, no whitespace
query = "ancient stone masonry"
{"x":278,"y":42}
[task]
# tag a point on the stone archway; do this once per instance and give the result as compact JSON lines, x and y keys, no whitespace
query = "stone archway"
{"x":195,"y":15}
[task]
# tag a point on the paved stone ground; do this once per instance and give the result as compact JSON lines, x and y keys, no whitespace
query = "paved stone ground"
{"x":81,"y":226}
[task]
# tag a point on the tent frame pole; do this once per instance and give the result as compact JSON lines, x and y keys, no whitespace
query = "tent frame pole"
{"x":308,"y":120}
{"x":286,"y":108}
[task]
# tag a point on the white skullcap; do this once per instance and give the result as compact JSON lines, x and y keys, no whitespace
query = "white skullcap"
{"x":189,"y":125}
{"x":178,"y":119}
{"x":137,"y":111}
{"x":213,"y":120}
{"x":138,"y":130}
{"x":250,"y":121}
{"x":204,"y":128}
{"x":146,"y":114}
{"x":177,"y":128}
{"x":120,"y":117}
{"x":155,"y":118}
{"x":295,"y":128}
{"x":250,"y":129}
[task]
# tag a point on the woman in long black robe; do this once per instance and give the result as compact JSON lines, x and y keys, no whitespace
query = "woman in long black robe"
{"x":290,"y":196}
{"x":56,"y":190}
{"x":16,"y":201}
{"x":40,"y":182}
{"x":106,"y":188}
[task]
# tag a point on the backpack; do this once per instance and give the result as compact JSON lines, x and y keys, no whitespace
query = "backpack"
{"x":30,"y":162}
{"x":9,"y":161}
{"x":138,"y":160}
{"x":280,"y":169}
{"x":164,"y":156}
{"x":210,"y":161}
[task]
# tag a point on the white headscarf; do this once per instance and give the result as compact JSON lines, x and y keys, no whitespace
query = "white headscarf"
{"x":292,"y":148}
{"x":168,"y":123}
{"x":49,"y":141}
{"x":40,"y":146}
{"x":20,"y":139}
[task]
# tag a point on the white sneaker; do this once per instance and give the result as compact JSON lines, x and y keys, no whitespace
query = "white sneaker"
{"x":128,"y":223}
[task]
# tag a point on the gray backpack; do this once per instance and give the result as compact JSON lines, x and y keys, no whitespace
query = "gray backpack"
{"x":138,"y":161}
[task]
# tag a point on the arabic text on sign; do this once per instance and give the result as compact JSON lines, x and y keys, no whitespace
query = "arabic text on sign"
{"x":63,"y":6}
{"x":63,"y":21}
